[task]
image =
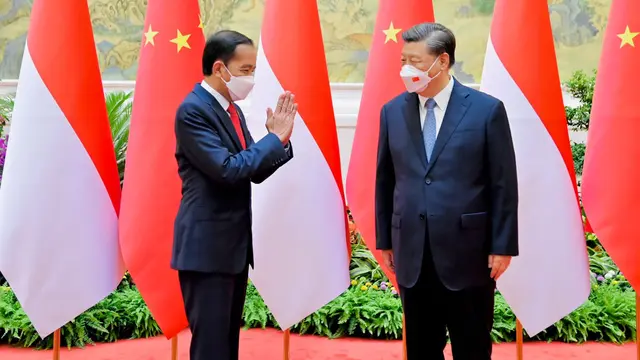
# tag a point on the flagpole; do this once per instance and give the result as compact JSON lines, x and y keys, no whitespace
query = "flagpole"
{"x":404,"y":339}
{"x":637,"y":323}
{"x":174,"y":348}
{"x":56,"y":345}
{"x":519,"y":341}
{"x":287,"y":336}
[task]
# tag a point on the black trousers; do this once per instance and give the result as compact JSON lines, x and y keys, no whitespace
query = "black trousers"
{"x":431,"y":309}
{"x":214,"y":304}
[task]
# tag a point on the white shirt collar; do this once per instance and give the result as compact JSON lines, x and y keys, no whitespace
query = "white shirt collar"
{"x":442,"y":98}
{"x":221,"y":100}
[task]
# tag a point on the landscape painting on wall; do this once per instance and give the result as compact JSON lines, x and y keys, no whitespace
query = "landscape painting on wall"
{"x":347,"y":27}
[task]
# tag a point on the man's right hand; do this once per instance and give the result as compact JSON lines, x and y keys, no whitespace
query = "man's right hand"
{"x":280,"y":122}
{"x":387,"y":256}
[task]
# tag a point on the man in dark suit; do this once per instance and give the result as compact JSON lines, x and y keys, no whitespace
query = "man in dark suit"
{"x":446,"y":200}
{"x":217,"y":162}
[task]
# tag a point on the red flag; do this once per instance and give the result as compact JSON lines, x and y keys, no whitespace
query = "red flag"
{"x":170,"y":65}
{"x":610,"y":191}
{"x":314,"y":209}
{"x":382,"y":83}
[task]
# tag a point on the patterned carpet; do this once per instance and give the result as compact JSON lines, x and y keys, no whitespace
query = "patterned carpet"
{"x":268,"y":345}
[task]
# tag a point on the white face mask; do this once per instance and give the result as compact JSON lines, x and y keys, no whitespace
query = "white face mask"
{"x":239,"y":86}
{"x":415,"y":79}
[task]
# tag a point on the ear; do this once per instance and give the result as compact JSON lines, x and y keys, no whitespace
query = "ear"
{"x":444,"y":61}
{"x":217,"y":69}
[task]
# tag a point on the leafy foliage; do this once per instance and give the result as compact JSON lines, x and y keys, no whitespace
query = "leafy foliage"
{"x":6,"y":108}
{"x":370,"y":308}
{"x":578,"y":150}
{"x":363,"y":311}
{"x":580,"y":86}
{"x":119,"y":106}
{"x":363,"y":264}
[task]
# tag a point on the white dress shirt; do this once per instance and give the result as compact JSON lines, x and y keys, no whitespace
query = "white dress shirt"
{"x":442,"y":100}
{"x":221,"y":100}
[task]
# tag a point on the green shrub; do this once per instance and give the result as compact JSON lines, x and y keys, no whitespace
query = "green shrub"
{"x":6,"y":109}
{"x":119,"y":107}
{"x":370,"y":308}
{"x":578,"y":151}
{"x":580,"y":86}
{"x":364,"y":310}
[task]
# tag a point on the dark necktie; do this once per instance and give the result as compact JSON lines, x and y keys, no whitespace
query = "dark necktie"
{"x":235,"y":119}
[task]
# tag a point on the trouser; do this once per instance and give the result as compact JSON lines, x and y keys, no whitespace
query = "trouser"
{"x":214,"y":304}
{"x":431,"y":309}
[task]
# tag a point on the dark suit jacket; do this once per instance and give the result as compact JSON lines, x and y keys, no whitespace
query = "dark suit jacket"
{"x":212,"y":231}
{"x":466,"y":197}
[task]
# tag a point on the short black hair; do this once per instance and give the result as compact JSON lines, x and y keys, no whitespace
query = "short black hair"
{"x":221,"y":46}
{"x":438,"y":37}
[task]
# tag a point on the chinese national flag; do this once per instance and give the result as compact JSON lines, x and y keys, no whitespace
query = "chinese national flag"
{"x":170,"y":65}
{"x":382,"y":83}
{"x":610,"y":191}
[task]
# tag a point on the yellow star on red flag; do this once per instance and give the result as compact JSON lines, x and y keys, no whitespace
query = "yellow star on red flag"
{"x":149,"y":35}
{"x":182,"y":41}
{"x":627,"y":37}
{"x":201,"y":25}
{"x":391,"y":34}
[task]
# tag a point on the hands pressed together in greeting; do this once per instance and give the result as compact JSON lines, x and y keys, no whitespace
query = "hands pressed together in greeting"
{"x":280,"y":122}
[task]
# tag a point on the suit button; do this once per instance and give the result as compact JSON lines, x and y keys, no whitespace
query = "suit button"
{"x":427,"y":181}
{"x":421,"y":216}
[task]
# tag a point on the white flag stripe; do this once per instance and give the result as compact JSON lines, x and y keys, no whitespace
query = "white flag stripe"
{"x":550,"y":277}
{"x":301,"y":260}
{"x":58,"y":228}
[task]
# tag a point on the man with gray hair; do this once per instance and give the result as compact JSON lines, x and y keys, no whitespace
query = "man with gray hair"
{"x":446,"y":200}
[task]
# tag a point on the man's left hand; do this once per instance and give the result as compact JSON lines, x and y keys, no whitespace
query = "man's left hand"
{"x":498,"y":265}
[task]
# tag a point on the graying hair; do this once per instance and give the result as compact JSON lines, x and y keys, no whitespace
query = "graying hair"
{"x":439,"y":39}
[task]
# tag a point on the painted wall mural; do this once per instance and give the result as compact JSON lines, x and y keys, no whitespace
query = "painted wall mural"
{"x":347,"y":26}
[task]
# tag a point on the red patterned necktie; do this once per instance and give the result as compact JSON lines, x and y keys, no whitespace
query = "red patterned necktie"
{"x":235,"y":119}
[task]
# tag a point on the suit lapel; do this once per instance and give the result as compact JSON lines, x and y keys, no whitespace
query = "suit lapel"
{"x":412,"y":118}
{"x":456,"y":109}
{"x":221,"y":113}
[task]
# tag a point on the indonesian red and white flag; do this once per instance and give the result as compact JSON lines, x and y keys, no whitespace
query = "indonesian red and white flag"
{"x":550,"y":277}
{"x":300,"y":231}
{"x":60,"y":188}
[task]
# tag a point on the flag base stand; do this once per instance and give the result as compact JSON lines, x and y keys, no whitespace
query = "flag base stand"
{"x":286,"y":338}
{"x":519,"y":340}
{"x":56,"y":345}
{"x":174,"y":348}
